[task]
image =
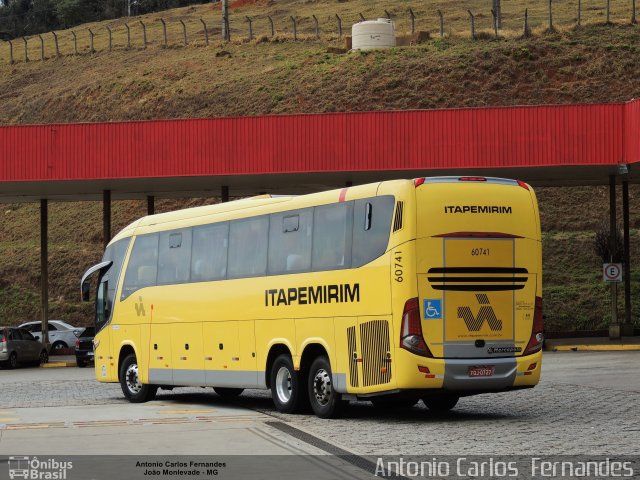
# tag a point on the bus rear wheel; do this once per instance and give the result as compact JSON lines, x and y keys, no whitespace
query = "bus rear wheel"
{"x":225,"y":392}
{"x":288,"y":392}
{"x":325,"y":401}
{"x":441,"y":404}
{"x":133,"y":389}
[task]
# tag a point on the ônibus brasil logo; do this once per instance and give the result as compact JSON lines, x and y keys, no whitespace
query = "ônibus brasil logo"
{"x":32,"y":468}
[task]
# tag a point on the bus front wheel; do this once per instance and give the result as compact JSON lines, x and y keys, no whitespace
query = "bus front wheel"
{"x":286,"y":388}
{"x":325,"y":401}
{"x":133,"y":390}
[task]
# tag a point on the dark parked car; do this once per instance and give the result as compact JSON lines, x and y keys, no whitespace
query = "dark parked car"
{"x":17,"y":345}
{"x":84,"y":347}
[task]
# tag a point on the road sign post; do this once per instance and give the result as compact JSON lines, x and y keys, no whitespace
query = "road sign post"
{"x":612,"y":274}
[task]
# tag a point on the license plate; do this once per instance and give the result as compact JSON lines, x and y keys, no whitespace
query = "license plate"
{"x":481,"y":371}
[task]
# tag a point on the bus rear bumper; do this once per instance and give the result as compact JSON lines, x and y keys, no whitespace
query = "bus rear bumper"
{"x":505,"y":373}
{"x":467,"y":374}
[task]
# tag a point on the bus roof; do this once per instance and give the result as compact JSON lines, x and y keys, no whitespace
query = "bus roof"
{"x":265,"y":200}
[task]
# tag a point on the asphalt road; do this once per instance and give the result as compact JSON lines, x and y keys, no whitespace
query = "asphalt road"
{"x":586,"y":403}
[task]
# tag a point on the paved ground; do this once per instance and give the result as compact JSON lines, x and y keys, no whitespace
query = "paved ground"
{"x":587,"y":403}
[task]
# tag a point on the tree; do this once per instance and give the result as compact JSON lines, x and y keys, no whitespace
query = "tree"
{"x":602,"y":243}
{"x":75,"y":12}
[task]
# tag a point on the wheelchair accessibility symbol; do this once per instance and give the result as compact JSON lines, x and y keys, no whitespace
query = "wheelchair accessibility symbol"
{"x":433,"y":308}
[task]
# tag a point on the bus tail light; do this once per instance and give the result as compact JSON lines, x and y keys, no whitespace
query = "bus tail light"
{"x":411,"y":338}
{"x":419,"y":181}
{"x":426,"y":371}
{"x":523,"y":184}
{"x":537,"y":335}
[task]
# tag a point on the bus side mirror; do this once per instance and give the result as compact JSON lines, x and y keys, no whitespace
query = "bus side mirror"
{"x":85,"y":283}
{"x":86,"y":290}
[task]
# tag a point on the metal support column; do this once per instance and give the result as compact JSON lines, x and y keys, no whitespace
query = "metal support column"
{"x":225,"y":21}
{"x":151,"y":204}
{"x":44,"y":269}
{"x":224,"y":194}
{"x":612,"y":245}
{"x":106,"y":216}
{"x":627,"y":328}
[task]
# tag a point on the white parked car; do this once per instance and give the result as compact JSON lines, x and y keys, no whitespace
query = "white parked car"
{"x":61,"y":334}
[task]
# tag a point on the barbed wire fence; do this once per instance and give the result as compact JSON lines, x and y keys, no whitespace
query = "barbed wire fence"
{"x":131,"y":33}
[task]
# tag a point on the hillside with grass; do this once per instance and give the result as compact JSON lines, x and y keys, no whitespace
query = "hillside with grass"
{"x":596,"y":62}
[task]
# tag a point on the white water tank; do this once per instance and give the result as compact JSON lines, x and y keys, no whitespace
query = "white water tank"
{"x":370,"y":34}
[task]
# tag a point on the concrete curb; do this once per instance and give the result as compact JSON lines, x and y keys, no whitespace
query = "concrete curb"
{"x":58,"y":364}
{"x":592,"y":348}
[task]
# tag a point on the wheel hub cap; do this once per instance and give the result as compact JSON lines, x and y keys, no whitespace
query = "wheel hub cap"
{"x":283,"y":384}
{"x":133,"y":381}
{"x":322,"y":387}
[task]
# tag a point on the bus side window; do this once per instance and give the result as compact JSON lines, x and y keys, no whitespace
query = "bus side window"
{"x":248,"y":240}
{"x":332,"y":236}
{"x":142,"y":268}
{"x":209,"y":256}
{"x":290,"y":241}
{"x":371,"y":228}
{"x":174,"y":257}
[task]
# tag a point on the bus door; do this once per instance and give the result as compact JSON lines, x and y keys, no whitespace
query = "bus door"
{"x":103,"y":355}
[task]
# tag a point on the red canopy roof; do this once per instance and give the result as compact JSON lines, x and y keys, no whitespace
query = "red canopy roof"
{"x":364,"y":145}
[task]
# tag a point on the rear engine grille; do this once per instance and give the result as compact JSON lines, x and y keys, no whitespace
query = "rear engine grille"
{"x":376,"y":355}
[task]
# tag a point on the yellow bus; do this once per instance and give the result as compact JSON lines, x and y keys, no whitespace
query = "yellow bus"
{"x":394,"y":292}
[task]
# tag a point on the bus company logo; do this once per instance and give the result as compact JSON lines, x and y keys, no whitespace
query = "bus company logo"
{"x":34,"y":469}
{"x":140,"y":308}
{"x":477,"y":209}
{"x":485,"y":314}
{"x":342,"y":293}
